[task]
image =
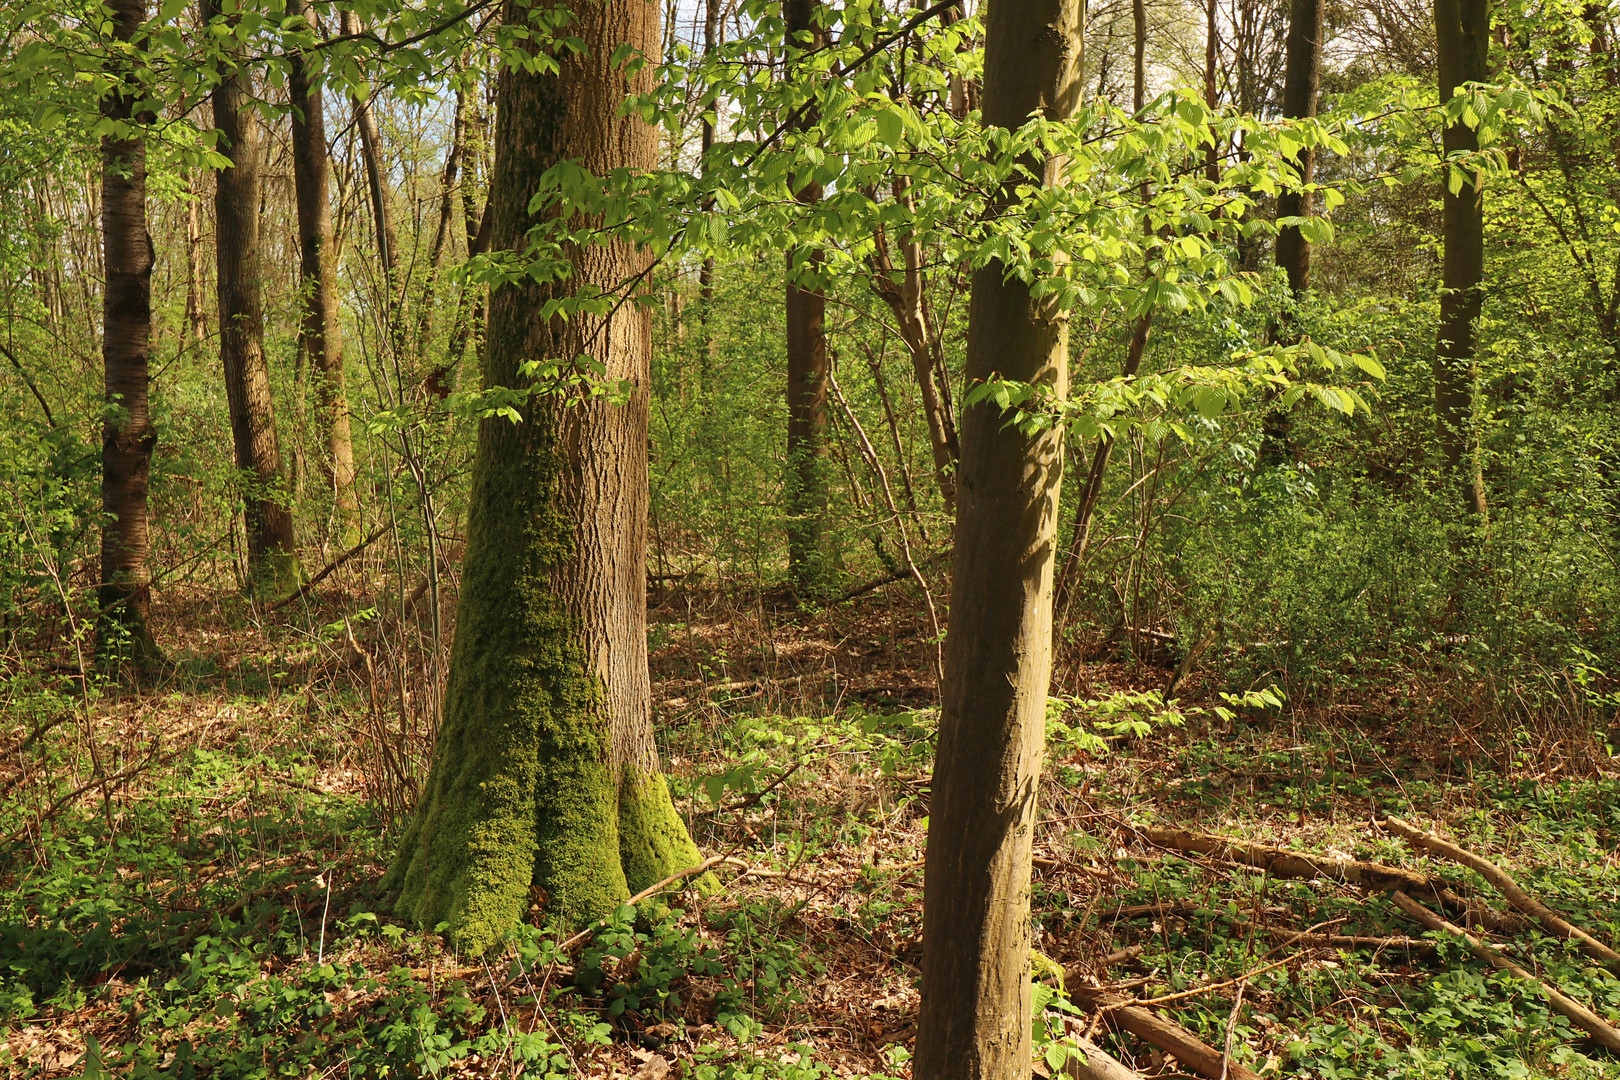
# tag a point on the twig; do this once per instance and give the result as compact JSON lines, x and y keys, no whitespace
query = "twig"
{"x":754,"y":799}
{"x":104,"y":782}
{"x":305,"y":589}
{"x":1582,"y":1017}
{"x":46,"y":409}
{"x":707,"y":864}
{"x":1554,"y":922}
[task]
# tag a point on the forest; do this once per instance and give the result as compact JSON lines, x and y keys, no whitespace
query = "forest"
{"x":792,"y":539}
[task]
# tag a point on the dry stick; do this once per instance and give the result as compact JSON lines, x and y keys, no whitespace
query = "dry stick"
{"x":1097,"y":1064}
{"x":1167,"y":1036}
{"x":98,"y":781}
{"x":1292,"y":864}
{"x":1555,"y":923}
{"x":308,"y":586}
{"x":1582,"y":1017}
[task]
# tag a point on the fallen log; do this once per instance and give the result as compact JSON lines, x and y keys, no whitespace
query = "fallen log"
{"x":1293,"y":864}
{"x":1168,"y":1036}
{"x":1097,"y":1064}
{"x":1578,"y":1014}
{"x":1555,"y":923}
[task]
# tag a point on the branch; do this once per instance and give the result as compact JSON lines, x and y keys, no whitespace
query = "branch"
{"x":304,"y":589}
{"x":1578,"y":1014}
{"x":1504,"y":883}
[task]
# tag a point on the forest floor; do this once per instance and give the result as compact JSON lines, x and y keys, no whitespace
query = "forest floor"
{"x":187,"y":872}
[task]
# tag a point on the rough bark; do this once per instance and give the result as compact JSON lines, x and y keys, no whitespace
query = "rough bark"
{"x":271,"y":544}
{"x":1463,"y":36}
{"x":811,"y":564}
{"x":545,"y":774}
{"x":1301,"y":80}
{"x":127,"y":436}
{"x":975,"y":1017}
{"x":320,"y":332}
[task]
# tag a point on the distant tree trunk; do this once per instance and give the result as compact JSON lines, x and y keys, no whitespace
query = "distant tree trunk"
{"x":811,"y":563}
{"x":1463,"y":37}
{"x":320,"y":332}
{"x":711,"y":344}
{"x":1139,"y":55}
{"x":975,"y":1018}
{"x":382,"y":206}
{"x":545,"y":774}
{"x":1212,"y":50}
{"x":271,"y":545}
{"x":127,"y":437}
{"x":1300,"y":83}
{"x":440,"y":374}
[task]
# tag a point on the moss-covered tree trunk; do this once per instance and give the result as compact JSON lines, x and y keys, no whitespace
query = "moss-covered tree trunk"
{"x":812,"y":561}
{"x":545,"y":774}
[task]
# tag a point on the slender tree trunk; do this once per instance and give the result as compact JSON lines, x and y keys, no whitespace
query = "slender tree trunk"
{"x":271,"y":544}
{"x":1302,"y":77}
{"x":1463,"y":37}
{"x":439,"y":375}
{"x":1212,"y":49}
{"x":711,"y":344}
{"x":811,"y":563}
{"x":127,"y":437}
{"x":382,"y":206}
{"x":545,"y":774}
{"x":975,"y":1018}
{"x":1139,"y":55}
{"x":320,"y":332}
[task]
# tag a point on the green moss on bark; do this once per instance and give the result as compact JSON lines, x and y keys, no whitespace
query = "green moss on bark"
{"x":653,"y":841}
{"x":520,"y":792}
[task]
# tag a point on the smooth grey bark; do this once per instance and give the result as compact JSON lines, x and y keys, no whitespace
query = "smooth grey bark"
{"x":975,"y":1017}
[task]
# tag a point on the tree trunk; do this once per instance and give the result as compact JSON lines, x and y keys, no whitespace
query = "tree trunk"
{"x":545,"y":774}
{"x":382,"y":211}
{"x":271,"y":545}
{"x":711,"y":344}
{"x":811,"y":563}
{"x":320,"y":333}
{"x":1463,"y":37}
{"x":1300,"y":84}
{"x":127,"y":436}
{"x":975,"y":1018}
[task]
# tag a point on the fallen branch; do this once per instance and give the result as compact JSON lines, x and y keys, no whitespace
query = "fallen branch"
{"x":307,"y":587}
{"x":1504,"y":883}
{"x":1578,"y":1014}
{"x":1293,"y":864}
{"x":1097,"y":1064}
{"x":1166,"y":1035}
